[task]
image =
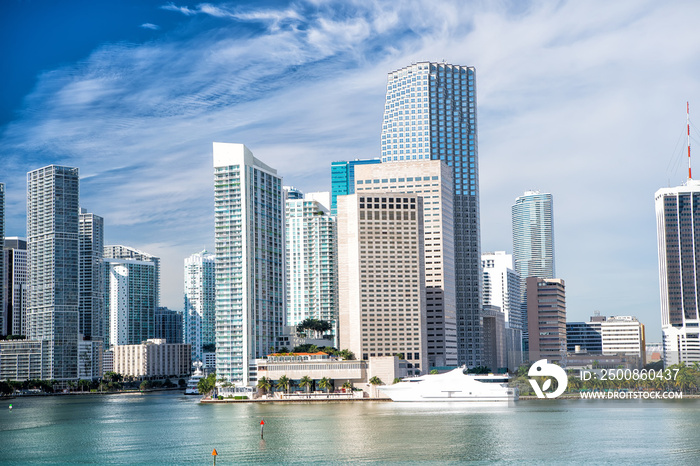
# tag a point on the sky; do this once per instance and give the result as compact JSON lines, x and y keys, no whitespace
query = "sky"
{"x":584,"y":100}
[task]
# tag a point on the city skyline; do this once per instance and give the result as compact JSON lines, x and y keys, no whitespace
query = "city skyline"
{"x":563,"y":111}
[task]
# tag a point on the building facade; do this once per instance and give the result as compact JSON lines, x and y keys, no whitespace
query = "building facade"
{"x":677,"y":214}
{"x":430,"y":113}
{"x":432,"y":180}
{"x":382,"y":277}
{"x":21,"y":359}
{"x":343,"y":179}
{"x":200,"y":303}
{"x":4,"y":321}
{"x":546,"y":313}
{"x":126,"y":252}
{"x":16,"y":286}
{"x":152,"y":359}
{"x":312,"y":262}
{"x":91,"y":309}
{"x":250,"y":274}
{"x":130,"y":301}
{"x":533,"y":243}
{"x":54,"y":262}
{"x":169,"y":325}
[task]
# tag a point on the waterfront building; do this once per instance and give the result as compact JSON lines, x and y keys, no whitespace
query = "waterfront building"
{"x":432,"y":180}
{"x":169,"y":325}
{"x":617,"y":335}
{"x":502,"y":289}
{"x":200,"y":303}
{"x":430,"y":113}
{"x":343,"y":179}
{"x":126,"y":252}
{"x":21,"y":359}
{"x":54,"y":262}
{"x":290,"y":339}
{"x":91,"y":308}
{"x":4,"y":321}
{"x":311,"y":265}
{"x":382,"y":277}
{"x":130,"y":301}
{"x":16,"y":286}
{"x":533,"y":243}
{"x":546,"y":313}
{"x":152,"y":359}
{"x":585,"y":337}
{"x":677,"y":213}
{"x":494,"y":339}
{"x":250,"y":274}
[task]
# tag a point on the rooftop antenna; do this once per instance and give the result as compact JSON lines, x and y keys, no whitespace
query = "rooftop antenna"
{"x":687,"y":120}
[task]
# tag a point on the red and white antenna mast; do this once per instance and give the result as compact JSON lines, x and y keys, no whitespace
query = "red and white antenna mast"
{"x":687,"y":121}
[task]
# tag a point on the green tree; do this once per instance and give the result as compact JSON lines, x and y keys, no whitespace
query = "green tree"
{"x":375,"y":381}
{"x":264,"y":384}
{"x":306,"y":382}
{"x":206,"y":384}
{"x":434,"y":371}
{"x":145,"y":385}
{"x":347,"y":385}
{"x":325,"y":384}
{"x":346,"y":354}
{"x":284,"y":383}
{"x":315,"y":326}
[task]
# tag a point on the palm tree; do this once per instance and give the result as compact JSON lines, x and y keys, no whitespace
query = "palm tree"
{"x":264,"y":384}
{"x":306,"y":382}
{"x":375,"y":381}
{"x":284,"y":383}
{"x":347,"y":385}
{"x":71,"y":385}
{"x":325,"y":384}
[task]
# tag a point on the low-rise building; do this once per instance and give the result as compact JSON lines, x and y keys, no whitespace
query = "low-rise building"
{"x":154,"y":358}
{"x":21,"y":359}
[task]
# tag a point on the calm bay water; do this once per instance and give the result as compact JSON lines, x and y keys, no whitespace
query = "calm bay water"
{"x":174,"y":429}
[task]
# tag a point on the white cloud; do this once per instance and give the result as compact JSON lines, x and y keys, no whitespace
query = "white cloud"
{"x":151,"y":26}
{"x":581,"y":99}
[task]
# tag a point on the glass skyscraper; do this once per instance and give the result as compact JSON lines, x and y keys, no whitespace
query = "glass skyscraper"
{"x":430,"y":113}
{"x":53,"y":248}
{"x":343,"y":180}
{"x":677,"y":219}
{"x":199,"y":302}
{"x":250,"y":275}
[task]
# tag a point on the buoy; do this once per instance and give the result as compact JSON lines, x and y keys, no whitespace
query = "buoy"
{"x":10,"y":406}
{"x":262,"y":427}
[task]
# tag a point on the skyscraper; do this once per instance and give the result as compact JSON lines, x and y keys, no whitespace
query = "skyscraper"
{"x":677,"y":217}
{"x":200,"y":302}
{"x":343,"y":179}
{"x":312,"y":261}
{"x":432,"y":180}
{"x":546,"y":314}
{"x":92,"y":292}
{"x":53,"y":245}
{"x":169,"y":325}
{"x":16,"y":286}
{"x":430,"y":113}
{"x":382,"y":283}
{"x":3,"y":307}
{"x":533,"y":243}
{"x":126,"y":252}
{"x":250,"y":275}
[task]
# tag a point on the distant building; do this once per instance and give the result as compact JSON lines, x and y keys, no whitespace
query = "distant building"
{"x":432,"y":180}
{"x":343,"y":179}
{"x":4,"y":321}
{"x":382,"y":283}
{"x":312,"y":259}
{"x":677,"y":217}
{"x":621,"y":335}
{"x":250,"y":282}
{"x":126,"y":252}
{"x":494,"y":339}
{"x":131,"y":300}
{"x":200,"y":303}
{"x":16,"y":285}
{"x":91,"y":309}
{"x":54,"y":263}
{"x":168,"y":325}
{"x":290,"y":339}
{"x":546,"y":313}
{"x":21,"y":359}
{"x":152,"y":359}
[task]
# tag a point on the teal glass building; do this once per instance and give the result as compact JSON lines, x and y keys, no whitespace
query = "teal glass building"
{"x":343,"y":180}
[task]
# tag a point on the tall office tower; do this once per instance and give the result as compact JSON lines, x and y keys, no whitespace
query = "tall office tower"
{"x":677,"y":214}
{"x":343,"y":179}
{"x":430,"y":113}
{"x":3,"y":306}
{"x":16,"y":285}
{"x":200,"y":302}
{"x":250,"y":275}
{"x":92,"y":294}
{"x":432,"y":180}
{"x":546,"y":313}
{"x":54,"y":261}
{"x":169,"y":325}
{"x":382,"y":277}
{"x":312,"y":264}
{"x":533,"y":243}
{"x":130,"y":301}
{"x":126,"y":252}
{"x":502,"y":289}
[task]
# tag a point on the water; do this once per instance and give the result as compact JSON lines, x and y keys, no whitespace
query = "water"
{"x":174,"y":429}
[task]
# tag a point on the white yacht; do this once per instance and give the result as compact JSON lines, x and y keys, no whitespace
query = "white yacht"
{"x":455,"y":385}
{"x":194,"y":379}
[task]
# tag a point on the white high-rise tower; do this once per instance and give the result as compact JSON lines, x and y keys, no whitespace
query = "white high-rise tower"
{"x":199,"y":315}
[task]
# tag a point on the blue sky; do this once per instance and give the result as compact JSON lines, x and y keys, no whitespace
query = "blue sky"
{"x":585,"y":100}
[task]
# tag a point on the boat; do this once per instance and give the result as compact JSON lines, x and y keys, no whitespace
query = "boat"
{"x":455,"y":385}
{"x":194,"y":379}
